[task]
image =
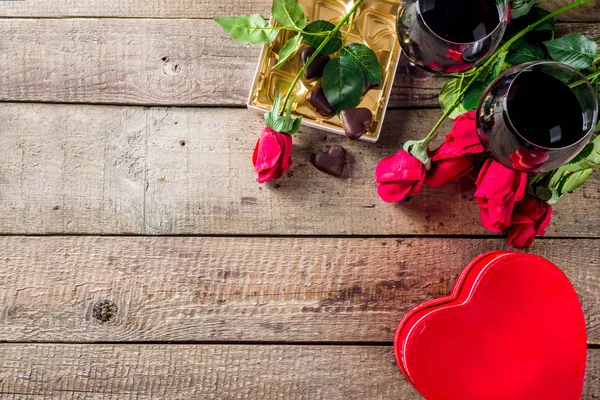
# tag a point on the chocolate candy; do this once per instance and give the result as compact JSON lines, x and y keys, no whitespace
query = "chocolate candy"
{"x":369,"y":86}
{"x":317,"y":99}
{"x":356,"y":121}
{"x":331,"y":162}
{"x":316,"y":68}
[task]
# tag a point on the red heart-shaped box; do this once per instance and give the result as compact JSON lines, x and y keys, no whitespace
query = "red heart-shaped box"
{"x":511,"y":329}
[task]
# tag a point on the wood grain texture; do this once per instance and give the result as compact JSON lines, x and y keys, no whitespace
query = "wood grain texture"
{"x":154,"y":62}
{"x":141,"y":372}
{"x":194,"y":9}
{"x":244,"y":289}
{"x":113,"y":170}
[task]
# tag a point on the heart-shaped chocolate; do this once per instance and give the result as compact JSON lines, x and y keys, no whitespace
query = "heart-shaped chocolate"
{"x":316,"y":97}
{"x":356,"y":121}
{"x":316,"y":68}
{"x":331,"y":162}
{"x":512,"y":329}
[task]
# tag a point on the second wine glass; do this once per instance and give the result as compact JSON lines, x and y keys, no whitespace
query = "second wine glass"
{"x":451,"y":36}
{"x":537,"y":116}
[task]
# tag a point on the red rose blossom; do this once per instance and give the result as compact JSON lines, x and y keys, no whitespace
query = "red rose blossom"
{"x":399,"y":176}
{"x":463,"y":138}
{"x":498,"y":190}
{"x":271,"y":156}
{"x":453,"y":159}
{"x":531,"y":218}
{"x":447,"y":170}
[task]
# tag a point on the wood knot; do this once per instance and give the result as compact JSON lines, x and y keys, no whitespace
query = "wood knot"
{"x":169,"y":67}
{"x":105,"y":311}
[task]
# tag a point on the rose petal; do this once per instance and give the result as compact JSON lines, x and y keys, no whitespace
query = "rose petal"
{"x":269,"y":150}
{"x":393,"y":192}
{"x":446,"y":171}
{"x":401,"y":166}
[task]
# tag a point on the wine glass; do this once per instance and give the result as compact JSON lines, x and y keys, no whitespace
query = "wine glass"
{"x":450,"y":36}
{"x":537,"y":116}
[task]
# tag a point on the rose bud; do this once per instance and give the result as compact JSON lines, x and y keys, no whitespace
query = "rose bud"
{"x":531,"y":218}
{"x":272,"y":155}
{"x":399,"y":176}
{"x":498,"y":190}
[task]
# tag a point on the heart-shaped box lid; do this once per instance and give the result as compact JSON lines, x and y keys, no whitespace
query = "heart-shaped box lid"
{"x":511,"y":329}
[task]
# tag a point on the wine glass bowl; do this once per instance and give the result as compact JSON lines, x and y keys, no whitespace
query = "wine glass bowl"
{"x":537,"y":116}
{"x":450,"y":36}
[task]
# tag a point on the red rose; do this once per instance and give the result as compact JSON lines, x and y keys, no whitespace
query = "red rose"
{"x":399,"y":176}
{"x":498,"y":190}
{"x":463,"y":138}
{"x":271,"y":156}
{"x":453,"y":159}
{"x":447,"y":170}
{"x":529,"y":160}
{"x":531,"y":218}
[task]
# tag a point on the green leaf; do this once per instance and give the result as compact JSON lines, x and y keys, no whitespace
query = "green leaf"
{"x":343,"y":83}
{"x":450,"y":93}
{"x":289,"y":13}
{"x":520,"y":8}
{"x":543,"y":193}
{"x":525,"y":52}
{"x":320,"y":26}
{"x":252,"y":29}
{"x":538,"y":13}
{"x":366,"y":60}
{"x":290,"y":47}
{"x":541,"y":33}
{"x":497,"y":67}
{"x":574,"y":174}
{"x":472,"y":97}
{"x":578,"y":51}
{"x":574,"y":180}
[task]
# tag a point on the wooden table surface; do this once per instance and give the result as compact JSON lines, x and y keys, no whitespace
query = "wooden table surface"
{"x":139,"y":257}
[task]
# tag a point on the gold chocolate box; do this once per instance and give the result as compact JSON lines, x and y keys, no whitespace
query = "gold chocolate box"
{"x":375,"y":26}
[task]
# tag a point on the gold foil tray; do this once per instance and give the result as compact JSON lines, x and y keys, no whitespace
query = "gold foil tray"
{"x":375,"y":26}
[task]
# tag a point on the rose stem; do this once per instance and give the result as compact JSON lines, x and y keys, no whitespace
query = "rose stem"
{"x":502,"y":49}
{"x":318,"y":51}
{"x":587,"y":79}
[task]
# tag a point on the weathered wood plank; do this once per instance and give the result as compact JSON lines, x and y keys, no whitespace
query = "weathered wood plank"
{"x":113,"y":170}
{"x":65,"y":171}
{"x":153,"y":62}
{"x":193,"y":9}
{"x":142,"y":372}
{"x":249,"y":289}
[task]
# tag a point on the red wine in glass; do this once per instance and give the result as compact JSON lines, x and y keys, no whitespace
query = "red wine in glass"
{"x":537,"y":116}
{"x":450,"y":36}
